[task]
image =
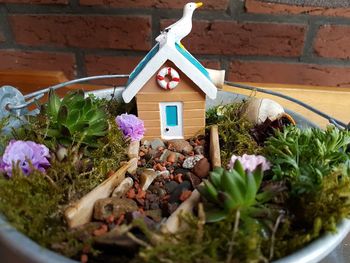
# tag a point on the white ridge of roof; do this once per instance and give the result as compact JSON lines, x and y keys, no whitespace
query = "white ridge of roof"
{"x":167,"y":51}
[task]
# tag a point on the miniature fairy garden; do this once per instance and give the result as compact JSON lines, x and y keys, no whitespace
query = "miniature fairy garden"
{"x":244,"y":189}
{"x":154,"y":176}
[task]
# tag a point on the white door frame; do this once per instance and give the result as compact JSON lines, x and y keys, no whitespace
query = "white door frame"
{"x":171,"y":132}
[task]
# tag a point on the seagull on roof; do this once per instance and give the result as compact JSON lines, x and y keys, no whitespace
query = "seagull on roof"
{"x":182,"y":27}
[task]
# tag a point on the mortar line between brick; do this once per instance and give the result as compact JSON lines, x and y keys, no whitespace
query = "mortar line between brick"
{"x":236,"y":9}
{"x":226,"y":59}
{"x":276,"y":18}
{"x":155,"y":26}
{"x":5,"y":26}
{"x":308,"y":51}
{"x":74,"y":4}
{"x":80,"y":63}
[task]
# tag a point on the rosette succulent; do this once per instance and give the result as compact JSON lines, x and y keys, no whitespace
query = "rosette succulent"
{"x":229,"y":190}
{"x":27,"y":155}
{"x":75,"y":118}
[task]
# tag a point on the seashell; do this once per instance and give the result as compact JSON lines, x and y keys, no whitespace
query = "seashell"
{"x":147,"y":177}
{"x":257,"y":110}
{"x":217,"y":77}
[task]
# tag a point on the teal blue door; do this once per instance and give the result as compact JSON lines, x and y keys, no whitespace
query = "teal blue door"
{"x":171,"y":115}
{"x":171,"y":120}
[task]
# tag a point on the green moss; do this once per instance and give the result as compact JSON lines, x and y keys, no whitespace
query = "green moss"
{"x":3,"y":138}
{"x":30,"y":203}
{"x":35,"y":204}
{"x":111,"y":152}
{"x":208,"y":243}
{"x":314,"y":213}
{"x":234,"y":131}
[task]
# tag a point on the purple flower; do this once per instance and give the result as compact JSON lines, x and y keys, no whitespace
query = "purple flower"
{"x":131,"y":126}
{"x":250,"y":162}
{"x":24,"y":153}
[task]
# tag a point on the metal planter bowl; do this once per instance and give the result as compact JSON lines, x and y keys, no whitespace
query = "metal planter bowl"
{"x":16,"y":247}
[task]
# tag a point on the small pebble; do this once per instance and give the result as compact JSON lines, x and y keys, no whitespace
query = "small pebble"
{"x":110,"y":219}
{"x":175,"y":195}
{"x":181,"y":146}
{"x":178,"y":178}
{"x":120,"y":219}
{"x":110,"y":173}
{"x":185,"y":195}
{"x":190,"y":162}
{"x":140,"y":194}
{"x":202,"y":168}
{"x":100,"y":231}
{"x":84,"y":258}
{"x":156,"y":143}
{"x":171,"y":186}
{"x":199,"y":149}
{"x":171,"y":157}
{"x":194,"y":179}
{"x":131,"y":193}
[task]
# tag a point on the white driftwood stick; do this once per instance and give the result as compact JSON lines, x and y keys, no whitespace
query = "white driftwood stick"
{"x":215,"y":157}
{"x":172,"y":225}
{"x":133,"y":149}
{"x":80,"y":212}
{"x":133,"y":166}
{"x":123,"y":187}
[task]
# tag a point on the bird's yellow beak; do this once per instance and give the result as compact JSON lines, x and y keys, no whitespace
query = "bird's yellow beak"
{"x":199,"y":4}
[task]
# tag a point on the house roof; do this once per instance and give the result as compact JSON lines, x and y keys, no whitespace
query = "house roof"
{"x":156,"y":57}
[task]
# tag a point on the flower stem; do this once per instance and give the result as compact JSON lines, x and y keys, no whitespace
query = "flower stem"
{"x":234,"y":232}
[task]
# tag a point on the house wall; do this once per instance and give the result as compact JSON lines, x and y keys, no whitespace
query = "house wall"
{"x":149,"y":97}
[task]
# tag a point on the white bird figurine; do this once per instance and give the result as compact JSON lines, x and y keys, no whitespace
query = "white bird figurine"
{"x":182,"y":27}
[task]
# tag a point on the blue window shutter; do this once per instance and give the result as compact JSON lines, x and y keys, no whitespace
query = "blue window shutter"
{"x":171,"y":115}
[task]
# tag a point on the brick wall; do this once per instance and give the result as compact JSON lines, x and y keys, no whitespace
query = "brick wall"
{"x":253,"y":40}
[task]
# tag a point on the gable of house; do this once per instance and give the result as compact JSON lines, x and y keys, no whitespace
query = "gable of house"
{"x":156,"y":58}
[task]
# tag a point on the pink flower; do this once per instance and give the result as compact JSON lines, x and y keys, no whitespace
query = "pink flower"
{"x":250,"y":162}
{"x":131,"y":126}
{"x":24,"y":153}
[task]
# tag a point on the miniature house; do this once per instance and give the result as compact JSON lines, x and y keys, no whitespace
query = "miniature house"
{"x":170,"y":86}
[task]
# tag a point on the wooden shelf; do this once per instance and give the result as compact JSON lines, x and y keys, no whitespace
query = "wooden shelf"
{"x":333,"y":101}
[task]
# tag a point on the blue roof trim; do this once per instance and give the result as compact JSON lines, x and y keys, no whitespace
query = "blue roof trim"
{"x":193,"y":60}
{"x":143,"y":63}
{"x":155,"y":50}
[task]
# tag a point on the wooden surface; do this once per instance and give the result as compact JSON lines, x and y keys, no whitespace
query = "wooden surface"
{"x":333,"y":101}
{"x":31,"y":80}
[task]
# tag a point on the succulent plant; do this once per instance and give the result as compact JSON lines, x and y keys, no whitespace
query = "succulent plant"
{"x":75,"y":119}
{"x":229,"y":190}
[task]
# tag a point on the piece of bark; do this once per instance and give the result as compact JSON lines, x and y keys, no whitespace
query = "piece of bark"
{"x":215,"y":157}
{"x":173,"y":224}
{"x":80,"y":212}
{"x":123,"y":187}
